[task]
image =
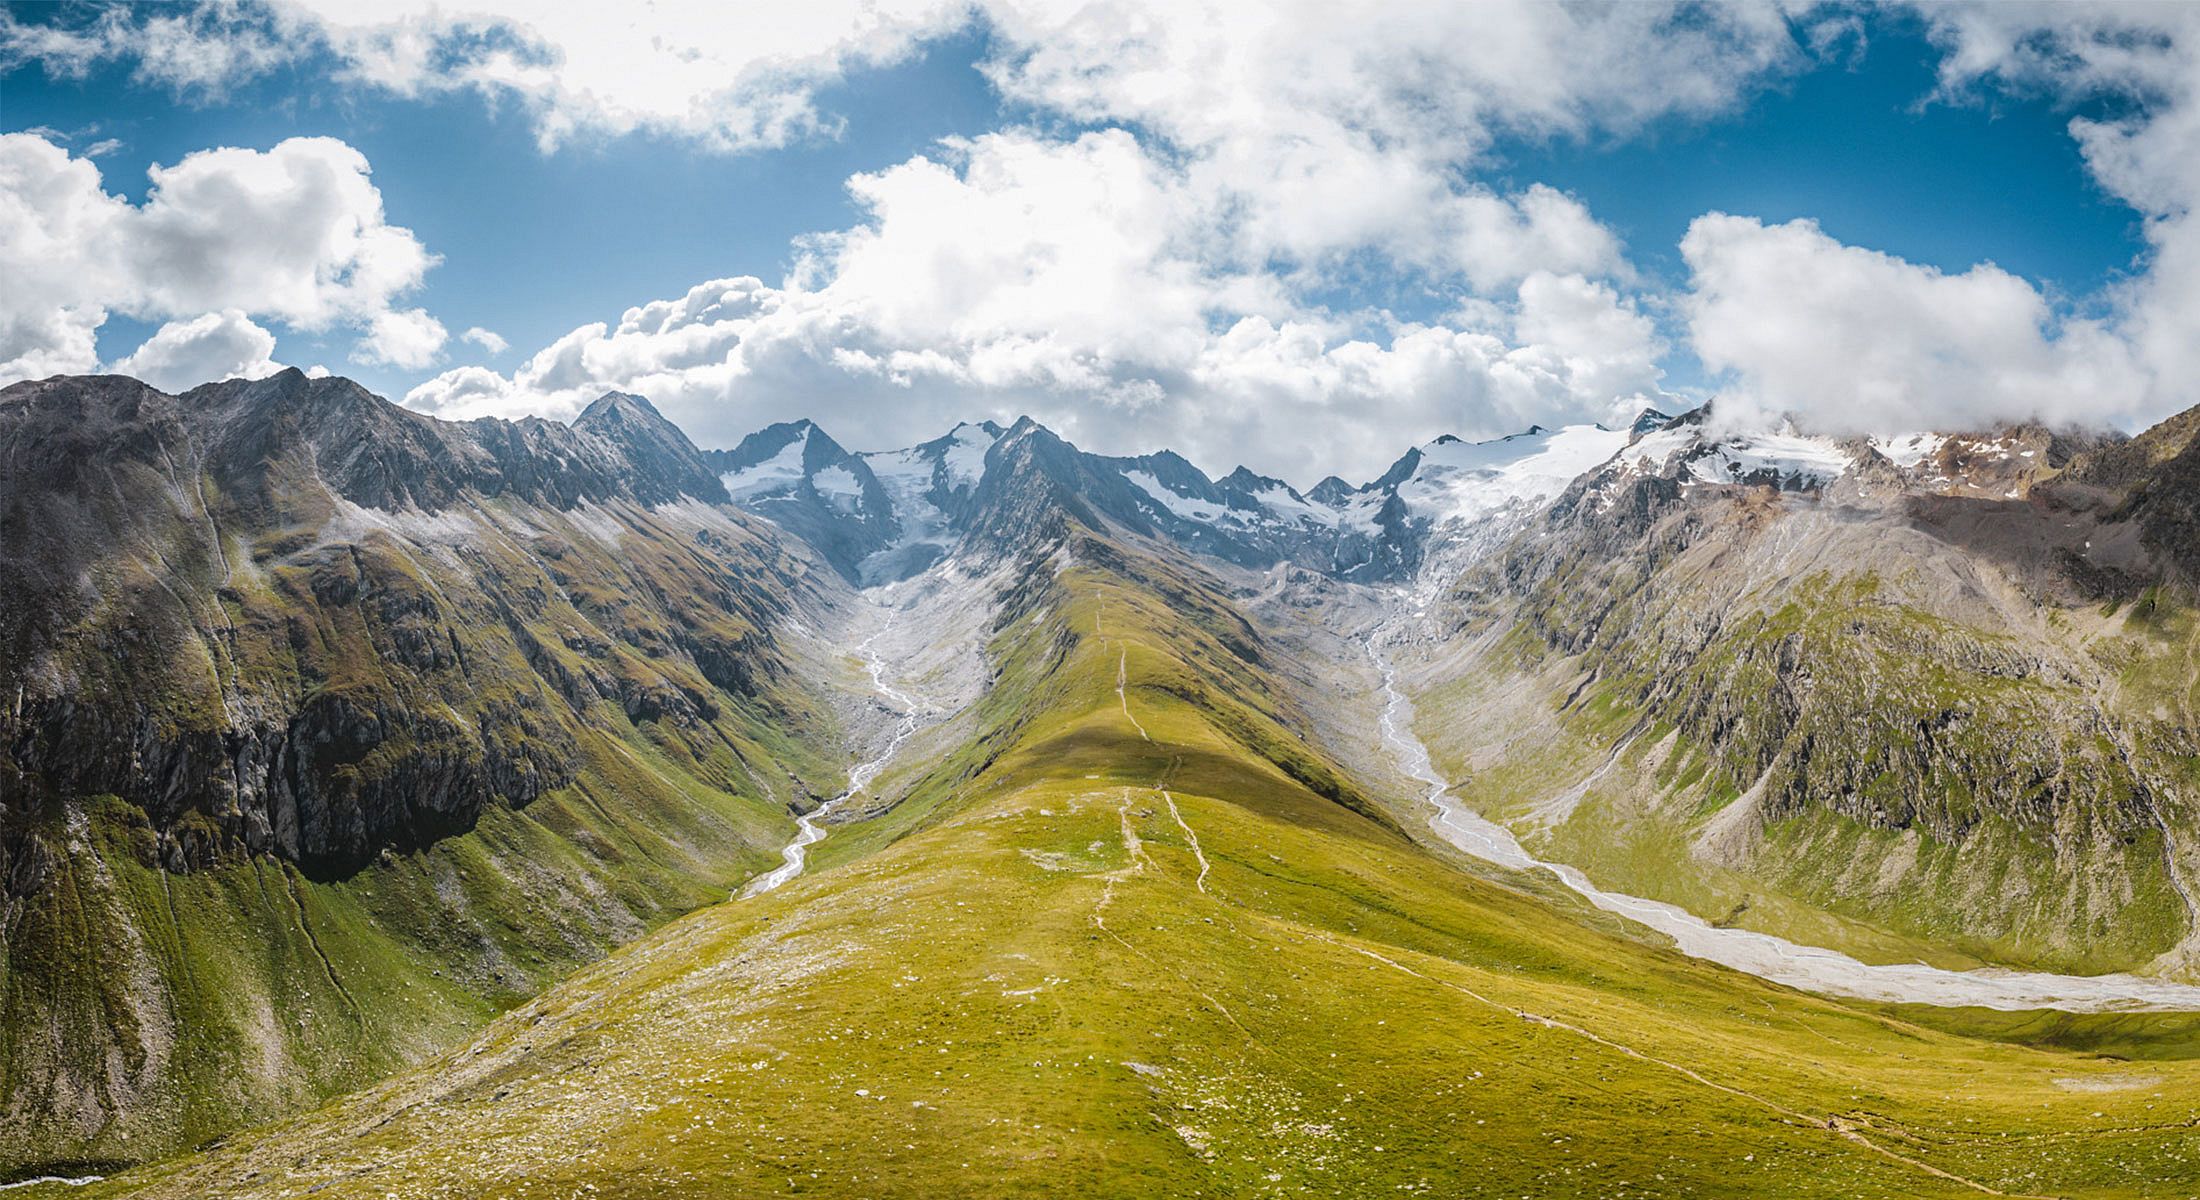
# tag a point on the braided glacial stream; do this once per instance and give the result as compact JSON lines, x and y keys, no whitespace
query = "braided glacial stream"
{"x":809,"y":828}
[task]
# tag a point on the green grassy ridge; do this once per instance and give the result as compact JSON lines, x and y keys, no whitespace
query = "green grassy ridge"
{"x":1017,"y":983}
{"x":1167,"y":621}
{"x":149,"y":1009}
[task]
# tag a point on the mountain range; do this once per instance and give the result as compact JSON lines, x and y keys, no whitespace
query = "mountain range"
{"x":413,"y":785}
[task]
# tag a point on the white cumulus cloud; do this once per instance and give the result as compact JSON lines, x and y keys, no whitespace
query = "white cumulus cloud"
{"x":486,"y":339}
{"x":406,"y":338}
{"x":732,"y":74}
{"x":2147,"y":58}
{"x":295,"y":233}
{"x":1850,"y":340}
{"x":1336,"y":128}
{"x":206,"y":349}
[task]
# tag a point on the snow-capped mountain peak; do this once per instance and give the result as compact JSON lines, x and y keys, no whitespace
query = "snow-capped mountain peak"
{"x":1458,"y":482}
{"x":881,"y":515}
{"x":1693,"y":452}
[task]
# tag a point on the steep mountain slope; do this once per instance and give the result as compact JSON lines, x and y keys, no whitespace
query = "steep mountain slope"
{"x":2151,"y":482}
{"x":333,"y":729}
{"x":1135,"y":935}
{"x":1928,"y":696}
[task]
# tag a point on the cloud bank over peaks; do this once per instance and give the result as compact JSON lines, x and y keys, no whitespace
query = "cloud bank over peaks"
{"x":1853,"y":341}
{"x":1100,"y":288}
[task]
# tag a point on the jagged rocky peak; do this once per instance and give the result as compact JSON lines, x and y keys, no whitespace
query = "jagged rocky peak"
{"x":790,"y":456}
{"x":279,"y":437}
{"x":616,"y":408}
{"x":1330,"y":491}
{"x":664,"y":463}
{"x":1245,"y":479}
{"x":794,"y":474}
{"x":960,"y":450}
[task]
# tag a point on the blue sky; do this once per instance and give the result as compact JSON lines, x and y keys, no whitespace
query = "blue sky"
{"x":537,"y":239}
{"x":1860,"y":144}
{"x":532,"y":243}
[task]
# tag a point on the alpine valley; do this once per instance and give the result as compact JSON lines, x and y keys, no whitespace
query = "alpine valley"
{"x":392,"y":807}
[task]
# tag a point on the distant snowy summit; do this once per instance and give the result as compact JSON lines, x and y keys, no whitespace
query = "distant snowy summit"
{"x":878,"y":516}
{"x":884,"y":515}
{"x":1692,"y":452}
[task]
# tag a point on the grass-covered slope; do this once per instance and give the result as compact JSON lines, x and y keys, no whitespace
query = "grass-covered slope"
{"x":296,"y":791}
{"x":1131,"y":937}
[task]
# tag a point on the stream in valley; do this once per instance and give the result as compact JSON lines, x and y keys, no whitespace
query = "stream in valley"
{"x":810,"y":828}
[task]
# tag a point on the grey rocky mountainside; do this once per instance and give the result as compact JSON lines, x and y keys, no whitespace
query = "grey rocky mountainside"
{"x":269,"y":492}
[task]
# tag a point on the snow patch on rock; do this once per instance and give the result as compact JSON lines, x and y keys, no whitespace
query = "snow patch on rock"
{"x":779,"y":473}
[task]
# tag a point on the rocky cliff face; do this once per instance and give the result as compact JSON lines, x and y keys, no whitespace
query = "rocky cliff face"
{"x":419,"y":707}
